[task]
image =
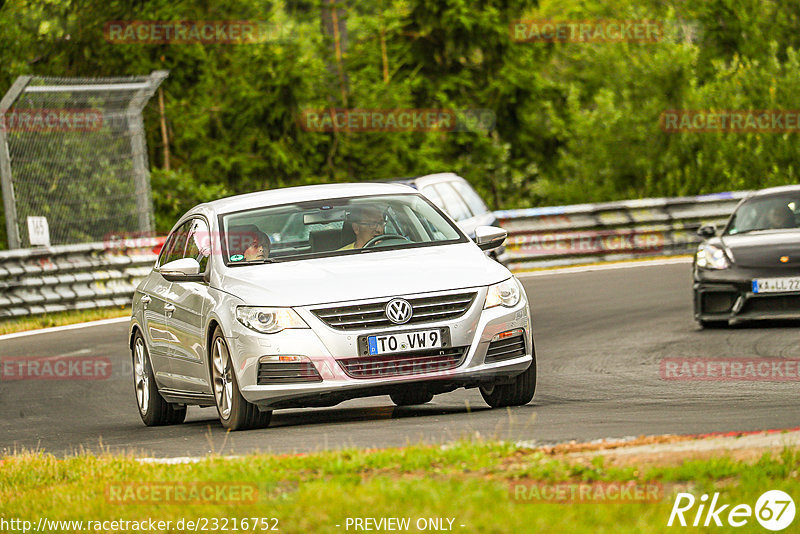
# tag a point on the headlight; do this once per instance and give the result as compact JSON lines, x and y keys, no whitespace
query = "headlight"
{"x":711,"y":257}
{"x":503,"y":294}
{"x":269,"y":320}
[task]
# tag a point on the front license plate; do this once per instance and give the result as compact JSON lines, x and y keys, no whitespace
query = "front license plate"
{"x":776,"y":285}
{"x":405,"y":341}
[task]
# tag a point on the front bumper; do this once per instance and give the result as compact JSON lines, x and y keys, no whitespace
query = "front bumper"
{"x":727,"y":295}
{"x":326,"y":348}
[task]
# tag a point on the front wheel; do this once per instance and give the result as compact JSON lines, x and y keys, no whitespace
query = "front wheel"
{"x":153,"y":409}
{"x":517,"y":393}
{"x":235,"y":413}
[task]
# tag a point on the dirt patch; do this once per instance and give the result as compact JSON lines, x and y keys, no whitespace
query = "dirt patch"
{"x":675,"y":450}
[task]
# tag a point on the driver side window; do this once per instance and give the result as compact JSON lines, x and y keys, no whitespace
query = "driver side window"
{"x":198,"y":245}
{"x":176,"y":244}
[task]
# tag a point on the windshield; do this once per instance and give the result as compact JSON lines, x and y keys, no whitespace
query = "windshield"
{"x":334,"y":227}
{"x":766,"y":213}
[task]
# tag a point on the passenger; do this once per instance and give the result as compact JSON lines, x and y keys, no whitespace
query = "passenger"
{"x":367,"y":222}
{"x":248,"y":243}
{"x":258,"y":248}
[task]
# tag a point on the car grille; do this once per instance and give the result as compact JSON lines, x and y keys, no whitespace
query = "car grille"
{"x":505,"y":349}
{"x":371,"y":315}
{"x":777,"y":304}
{"x":286,"y":373}
{"x":404,"y":364}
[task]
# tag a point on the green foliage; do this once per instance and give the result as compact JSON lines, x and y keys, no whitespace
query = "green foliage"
{"x":575,"y":122}
{"x":474,"y":482}
{"x":175,"y":192}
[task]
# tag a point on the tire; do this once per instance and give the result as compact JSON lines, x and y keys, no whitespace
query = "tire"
{"x":153,"y":409}
{"x":411,"y":397}
{"x":517,"y":393}
{"x":235,"y":413}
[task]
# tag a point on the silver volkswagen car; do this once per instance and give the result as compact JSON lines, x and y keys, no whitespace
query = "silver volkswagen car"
{"x":309,"y":296}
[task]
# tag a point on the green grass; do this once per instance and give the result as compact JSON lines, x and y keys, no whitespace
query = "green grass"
{"x":467,"y":481}
{"x":46,"y":320}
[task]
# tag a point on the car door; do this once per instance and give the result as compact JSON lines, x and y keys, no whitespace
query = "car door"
{"x":155,"y":292}
{"x":185,"y":312}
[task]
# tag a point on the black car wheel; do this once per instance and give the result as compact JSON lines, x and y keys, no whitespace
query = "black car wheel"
{"x":517,"y":393}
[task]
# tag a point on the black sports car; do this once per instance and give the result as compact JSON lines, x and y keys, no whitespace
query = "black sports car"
{"x":751,"y":270}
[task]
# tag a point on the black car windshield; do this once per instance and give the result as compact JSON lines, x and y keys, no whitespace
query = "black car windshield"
{"x":766,"y":213}
{"x":334,"y":227}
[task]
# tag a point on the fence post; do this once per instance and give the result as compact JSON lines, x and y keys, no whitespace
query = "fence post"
{"x":141,"y":174}
{"x":9,"y":202}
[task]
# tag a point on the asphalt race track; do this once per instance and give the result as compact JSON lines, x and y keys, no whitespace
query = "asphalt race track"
{"x":600,"y":337}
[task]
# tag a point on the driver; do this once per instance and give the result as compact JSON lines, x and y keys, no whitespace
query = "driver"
{"x":780,"y":216}
{"x":367,"y":222}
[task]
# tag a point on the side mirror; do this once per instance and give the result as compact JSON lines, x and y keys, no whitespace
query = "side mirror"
{"x":489,"y":237}
{"x":707,"y":231}
{"x":182,"y":270}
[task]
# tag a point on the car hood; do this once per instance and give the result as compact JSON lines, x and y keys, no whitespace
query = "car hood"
{"x":764,"y":249}
{"x":363,"y":276}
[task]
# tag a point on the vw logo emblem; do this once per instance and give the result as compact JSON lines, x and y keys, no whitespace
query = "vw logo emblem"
{"x":399,"y":311}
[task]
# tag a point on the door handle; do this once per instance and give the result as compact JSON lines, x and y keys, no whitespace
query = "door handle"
{"x":146,"y":300}
{"x":169,"y":308}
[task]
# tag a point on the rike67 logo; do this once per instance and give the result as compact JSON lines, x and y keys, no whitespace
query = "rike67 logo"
{"x":774,"y":510}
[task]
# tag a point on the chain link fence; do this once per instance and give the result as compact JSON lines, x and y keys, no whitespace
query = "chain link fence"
{"x":73,"y":159}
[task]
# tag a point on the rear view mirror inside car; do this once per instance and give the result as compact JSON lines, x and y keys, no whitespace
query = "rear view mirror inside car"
{"x":324,"y":216}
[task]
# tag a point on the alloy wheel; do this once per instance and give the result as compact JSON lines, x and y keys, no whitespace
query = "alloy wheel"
{"x":223,"y":382}
{"x":140,"y":378}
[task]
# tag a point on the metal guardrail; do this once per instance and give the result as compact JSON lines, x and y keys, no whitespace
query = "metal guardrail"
{"x":73,"y":277}
{"x":96,"y":275}
{"x":612,"y":231}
